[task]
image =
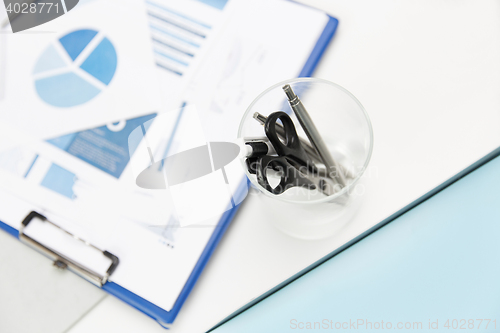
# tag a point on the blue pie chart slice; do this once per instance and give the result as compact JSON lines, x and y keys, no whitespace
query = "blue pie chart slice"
{"x":75,"y":42}
{"x":65,"y":90}
{"x":73,"y":87}
{"x":49,"y":60}
{"x":101,"y":63}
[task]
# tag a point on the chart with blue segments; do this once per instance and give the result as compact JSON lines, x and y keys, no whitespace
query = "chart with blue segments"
{"x":75,"y":69}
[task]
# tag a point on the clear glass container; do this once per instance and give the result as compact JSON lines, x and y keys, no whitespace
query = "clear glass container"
{"x":346,"y":130}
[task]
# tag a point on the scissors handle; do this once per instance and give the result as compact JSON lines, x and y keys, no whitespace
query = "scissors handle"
{"x":290,"y":176}
{"x":291,"y":148}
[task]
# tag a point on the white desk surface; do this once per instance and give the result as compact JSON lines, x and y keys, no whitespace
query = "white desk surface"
{"x":428,"y":74}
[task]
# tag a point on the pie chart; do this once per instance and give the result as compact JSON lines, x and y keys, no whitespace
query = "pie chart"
{"x":75,"y":69}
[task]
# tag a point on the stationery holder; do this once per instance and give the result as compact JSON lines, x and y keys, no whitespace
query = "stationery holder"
{"x":345,"y":127}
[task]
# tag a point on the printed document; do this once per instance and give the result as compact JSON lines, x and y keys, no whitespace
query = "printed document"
{"x":85,"y":180}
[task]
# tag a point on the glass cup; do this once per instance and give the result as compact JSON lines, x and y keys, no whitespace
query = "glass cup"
{"x":346,"y":130}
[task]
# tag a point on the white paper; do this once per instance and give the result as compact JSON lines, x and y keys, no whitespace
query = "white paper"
{"x":181,"y":32}
{"x":96,"y":196}
{"x":249,"y":56}
{"x":50,"y":90}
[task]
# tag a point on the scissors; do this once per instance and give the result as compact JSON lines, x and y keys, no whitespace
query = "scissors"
{"x":293,"y":165}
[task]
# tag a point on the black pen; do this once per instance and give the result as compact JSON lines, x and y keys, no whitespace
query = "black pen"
{"x":256,"y":147}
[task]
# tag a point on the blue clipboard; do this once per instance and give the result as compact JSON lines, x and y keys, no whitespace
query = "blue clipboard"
{"x":168,"y":317}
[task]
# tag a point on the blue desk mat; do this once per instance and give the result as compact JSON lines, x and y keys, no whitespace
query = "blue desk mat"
{"x":435,"y":268}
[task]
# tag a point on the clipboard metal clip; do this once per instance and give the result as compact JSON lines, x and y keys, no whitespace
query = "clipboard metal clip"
{"x":62,"y":261}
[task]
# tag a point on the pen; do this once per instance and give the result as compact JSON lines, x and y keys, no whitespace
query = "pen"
{"x":256,"y":147}
{"x":313,"y":135}
{"x":307,"y":147}
{"x":253,"y":149}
